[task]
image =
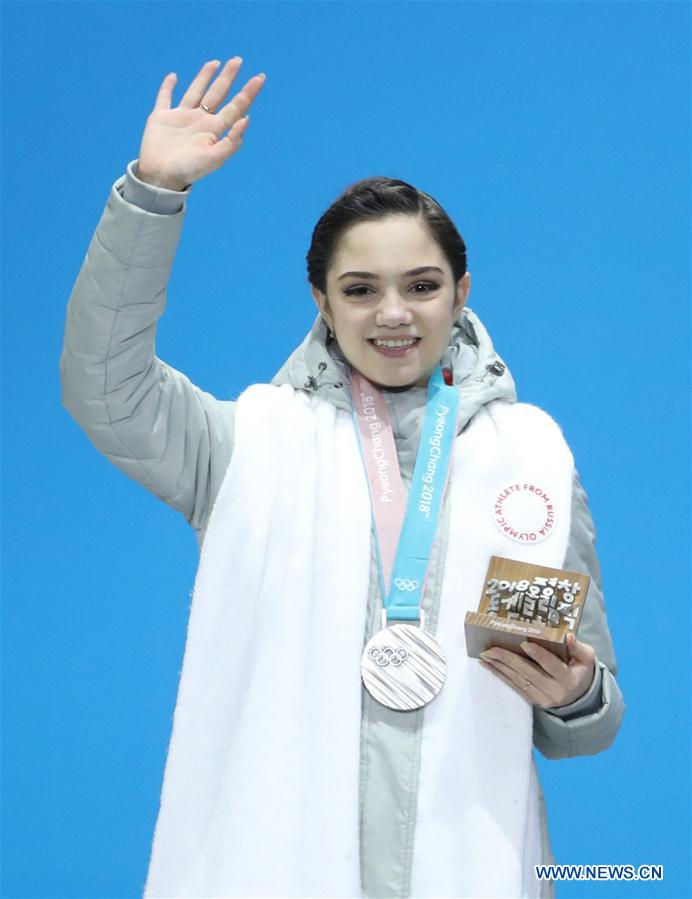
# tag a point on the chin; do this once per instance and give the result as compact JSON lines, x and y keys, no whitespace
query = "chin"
{"x":399,"y":382}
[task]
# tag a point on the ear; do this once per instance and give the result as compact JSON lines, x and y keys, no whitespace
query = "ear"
{"x":322,"y":304}
{"x":462,"y":291}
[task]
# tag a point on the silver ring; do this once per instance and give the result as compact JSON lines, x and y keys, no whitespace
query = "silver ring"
{"x":206,"y":108}
{"x":528,"y":684}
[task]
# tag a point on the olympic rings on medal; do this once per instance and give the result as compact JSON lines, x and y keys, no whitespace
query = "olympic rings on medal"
{"x":403,"y":584}
{"x":388,"y":656}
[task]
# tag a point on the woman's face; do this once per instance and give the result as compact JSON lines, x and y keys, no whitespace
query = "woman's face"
{"x":390,"y":281}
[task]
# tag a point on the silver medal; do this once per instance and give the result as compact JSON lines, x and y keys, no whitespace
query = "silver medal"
{"x":403,"y":667}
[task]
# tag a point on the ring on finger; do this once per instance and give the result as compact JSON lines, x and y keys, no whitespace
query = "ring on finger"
{"x":206,"y":108}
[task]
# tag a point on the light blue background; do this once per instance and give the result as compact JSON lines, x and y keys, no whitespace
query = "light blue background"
{"x":557,"y":137}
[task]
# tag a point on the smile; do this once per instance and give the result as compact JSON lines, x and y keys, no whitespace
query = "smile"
{"x":394,"y":347}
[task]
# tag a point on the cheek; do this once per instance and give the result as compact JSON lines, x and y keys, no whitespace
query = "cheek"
{"x":442,"y":327}
{"x":351,"y":323}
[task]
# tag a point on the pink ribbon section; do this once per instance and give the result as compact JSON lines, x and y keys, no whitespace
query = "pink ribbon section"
{"x":379,"y":452}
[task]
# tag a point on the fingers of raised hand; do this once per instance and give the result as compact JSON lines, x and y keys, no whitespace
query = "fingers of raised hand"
{"x":200,"y":91}
{"x":216,"y":93}
{"x":240,"y":104}
{"x":165,"y":93}
{"x":231,"y":142}
{"x":199,"y":85}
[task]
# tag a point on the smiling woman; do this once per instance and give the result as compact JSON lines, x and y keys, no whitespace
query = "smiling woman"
{"x":395,"y":316}
{"x":373,"y":233}
{"x":332,"y":736}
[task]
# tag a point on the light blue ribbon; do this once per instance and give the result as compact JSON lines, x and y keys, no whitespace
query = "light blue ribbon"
{"x":424,"y":502}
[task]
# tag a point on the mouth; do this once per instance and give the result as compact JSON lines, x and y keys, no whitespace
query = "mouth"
{"x":394,"y":346}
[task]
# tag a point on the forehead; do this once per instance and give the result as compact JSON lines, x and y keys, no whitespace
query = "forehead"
{"x":397,"y":242}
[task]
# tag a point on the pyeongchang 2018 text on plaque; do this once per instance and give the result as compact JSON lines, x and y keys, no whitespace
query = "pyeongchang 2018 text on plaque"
{"x":522,"y":601}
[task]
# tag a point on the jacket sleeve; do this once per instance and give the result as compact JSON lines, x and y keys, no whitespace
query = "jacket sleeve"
{"x":150,"y":420}
{"x":589,"y":724}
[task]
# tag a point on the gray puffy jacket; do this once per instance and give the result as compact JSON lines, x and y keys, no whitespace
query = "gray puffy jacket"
{"x":177,"y":440}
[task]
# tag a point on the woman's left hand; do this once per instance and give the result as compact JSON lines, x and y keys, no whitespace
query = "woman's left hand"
{"x":543,"y":679}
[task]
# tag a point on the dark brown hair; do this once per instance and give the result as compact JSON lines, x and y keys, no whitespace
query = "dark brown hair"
{"x":371,"y":199}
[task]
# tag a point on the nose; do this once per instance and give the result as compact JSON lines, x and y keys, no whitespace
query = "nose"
{"x":392,"y":310}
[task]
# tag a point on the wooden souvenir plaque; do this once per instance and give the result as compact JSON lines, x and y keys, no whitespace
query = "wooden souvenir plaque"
{"x":521,"y":602}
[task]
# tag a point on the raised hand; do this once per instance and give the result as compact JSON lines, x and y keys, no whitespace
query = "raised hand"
{"x":182,"y":144}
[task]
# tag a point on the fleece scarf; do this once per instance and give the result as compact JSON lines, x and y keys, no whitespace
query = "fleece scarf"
{"x":260,"y":791}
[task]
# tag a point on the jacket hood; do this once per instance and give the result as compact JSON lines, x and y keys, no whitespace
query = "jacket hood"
{"x":319,"y":367}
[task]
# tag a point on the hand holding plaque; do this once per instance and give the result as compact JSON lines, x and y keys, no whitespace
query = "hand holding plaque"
{"x":522,"y":601}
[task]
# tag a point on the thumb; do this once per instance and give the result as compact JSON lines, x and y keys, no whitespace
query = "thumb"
{"x":580,"y":652}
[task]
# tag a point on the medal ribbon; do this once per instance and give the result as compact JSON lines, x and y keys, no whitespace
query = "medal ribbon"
{"x":404,"y":531}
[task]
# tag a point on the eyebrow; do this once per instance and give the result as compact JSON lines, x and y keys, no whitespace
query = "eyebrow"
{"x":413,"y":271}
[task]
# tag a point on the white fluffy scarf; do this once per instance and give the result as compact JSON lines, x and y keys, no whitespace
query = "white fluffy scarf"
{"x":260,"y":793}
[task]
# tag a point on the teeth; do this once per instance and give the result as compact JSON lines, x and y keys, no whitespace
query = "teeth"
{"x":393,"y":344}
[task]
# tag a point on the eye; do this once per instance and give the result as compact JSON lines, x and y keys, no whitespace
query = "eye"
{"x":361,"y":290}
{"x":428,"y":285}
{"x":357,"y":291}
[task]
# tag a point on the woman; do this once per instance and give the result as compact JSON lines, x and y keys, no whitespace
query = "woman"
{"x":285,"y":776}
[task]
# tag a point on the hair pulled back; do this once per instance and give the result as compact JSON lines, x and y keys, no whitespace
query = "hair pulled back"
{"x":374,"y":198}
